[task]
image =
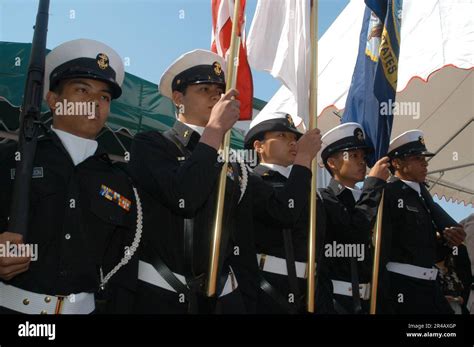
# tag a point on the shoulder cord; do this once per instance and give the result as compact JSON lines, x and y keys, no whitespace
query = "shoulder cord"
{"x":244,"y":181}
{"x":132,"y":249}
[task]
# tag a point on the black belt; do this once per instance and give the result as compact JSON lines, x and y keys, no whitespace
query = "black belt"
{"x":291,"y":266}
{"x":276,"y":296}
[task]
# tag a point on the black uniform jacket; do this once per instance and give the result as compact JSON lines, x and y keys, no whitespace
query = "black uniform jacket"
{"x":409,"y":236}
{"x":270,"y":240}
{"x":75,"y":219}
{"x":351,"y":222}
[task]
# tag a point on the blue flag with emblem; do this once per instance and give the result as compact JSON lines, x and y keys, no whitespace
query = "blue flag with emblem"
{"x":372,"y":92}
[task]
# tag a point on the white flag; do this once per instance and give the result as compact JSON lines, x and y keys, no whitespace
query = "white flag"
{"x":279,"y":42}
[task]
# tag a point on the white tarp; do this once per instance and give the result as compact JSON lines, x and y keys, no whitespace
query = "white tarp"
{"x":435,"y":78}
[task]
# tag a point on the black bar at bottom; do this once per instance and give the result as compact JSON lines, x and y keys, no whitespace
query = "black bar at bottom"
{"x":135,"y":329}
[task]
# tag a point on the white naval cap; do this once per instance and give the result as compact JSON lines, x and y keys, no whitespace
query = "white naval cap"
{"x":411,"y":142}
{"x":194,"y":67}
{"x":87,"y":59}
{"x":269,"y":121}
{"x":344,"y":137}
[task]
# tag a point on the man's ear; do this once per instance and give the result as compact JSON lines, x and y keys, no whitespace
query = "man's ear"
{"x":51,"y":99}
{"x":396,"y":163}
{"x":257,"y":146}
{"x":331,"y":162}
{"x":177,"y":98}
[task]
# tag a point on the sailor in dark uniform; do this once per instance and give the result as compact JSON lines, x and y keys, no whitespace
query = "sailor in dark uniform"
{"x":282,"y":243}
{"x":178,"y":171}
{"x":83,"y":227}
{"x":416,"y":234}
{"x":350,"y":214}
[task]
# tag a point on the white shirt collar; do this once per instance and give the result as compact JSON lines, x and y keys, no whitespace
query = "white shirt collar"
{"x":196,"y":128}
{"x":78,"y":148}
{"x":282,"y":170}
{"x":413,"y":185}
{"x":356,"y":192}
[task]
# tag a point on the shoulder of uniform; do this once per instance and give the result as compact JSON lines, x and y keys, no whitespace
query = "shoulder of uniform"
{"x":120,"y":168}
{"x":326,"y":191}
{"x":181,"y":129}
{"x":7,"y":150}
{"x":8,"y":146}
{"x":154,"y":138}
{"x":183,"y":133}
{"x":393,"y":179}
{"x":335,"y":187}
{"x":263,"y":171}
{"x":152,"y":134}
{"x":394,"y":182}
{"x":328,"y":196}
{"x":394,"y":188}
{"x":322,"y":191}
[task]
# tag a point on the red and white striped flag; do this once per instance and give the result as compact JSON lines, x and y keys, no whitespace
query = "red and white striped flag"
{"x":222,"y":14}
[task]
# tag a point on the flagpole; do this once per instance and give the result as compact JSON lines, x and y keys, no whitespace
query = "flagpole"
{"x":376,"y":265}
{"x":231,"y":75}
{"x":313,"y":123}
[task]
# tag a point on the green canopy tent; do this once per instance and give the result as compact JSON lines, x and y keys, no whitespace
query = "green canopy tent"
{"x":140,"y":108}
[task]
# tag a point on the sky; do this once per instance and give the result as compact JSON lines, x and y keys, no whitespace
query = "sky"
{"x":149,"y":34}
